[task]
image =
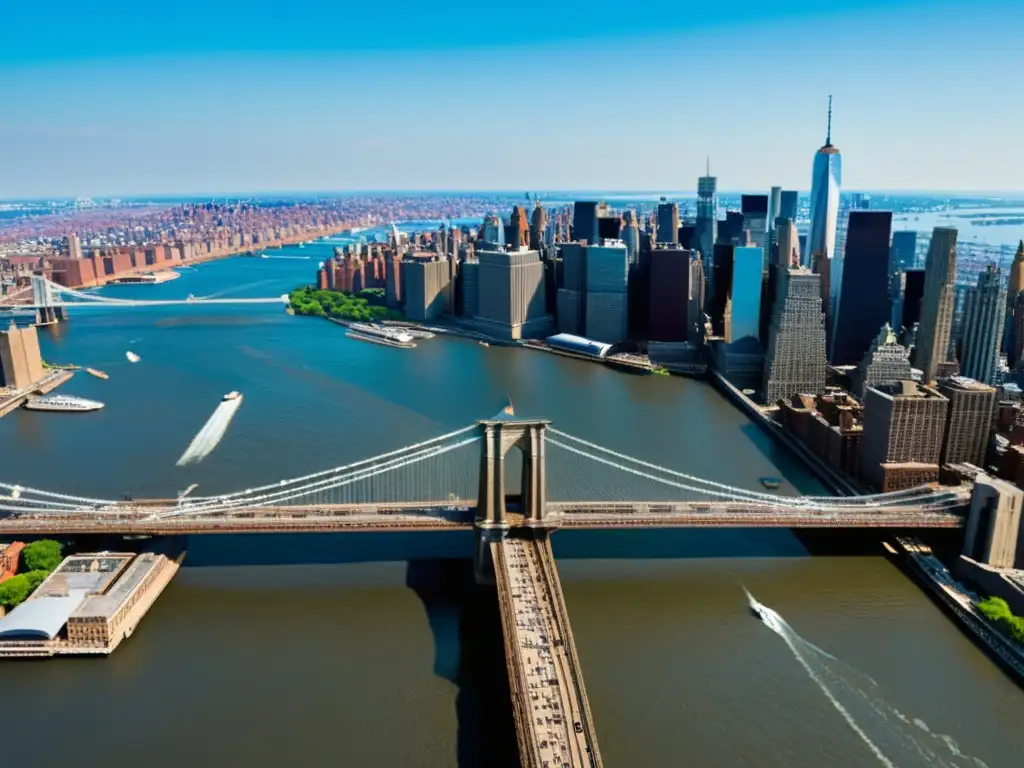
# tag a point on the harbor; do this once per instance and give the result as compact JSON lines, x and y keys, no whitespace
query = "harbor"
{"x":11,"y":399}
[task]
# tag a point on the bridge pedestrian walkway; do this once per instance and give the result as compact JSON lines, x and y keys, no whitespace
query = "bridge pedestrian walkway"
{"x":554,"y":727}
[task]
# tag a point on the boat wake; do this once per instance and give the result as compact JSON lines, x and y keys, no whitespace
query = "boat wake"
{"x":290,"y":258}
{"x":212,"y":433}
{"x":892,"y":737}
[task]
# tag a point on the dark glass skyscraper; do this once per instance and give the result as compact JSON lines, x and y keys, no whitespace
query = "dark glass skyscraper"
{"x":913,"y":295}
{"x":584,"y":221}
{"x":788,"y":205}
{"x":863,"y":306}
{"x":904,"y":250}
{"x":668,"y":223}
{"x":707,"y":222}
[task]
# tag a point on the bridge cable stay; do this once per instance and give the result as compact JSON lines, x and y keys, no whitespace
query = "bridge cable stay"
{"x":336,"y":470}
{"x":862,"y":500}
{"x":773,"y":502}
{"x":22,"y":491}
{"x":188,"y":509}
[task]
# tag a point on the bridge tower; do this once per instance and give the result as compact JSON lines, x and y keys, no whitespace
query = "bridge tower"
{"x":43,"y":298}
{"x":500,"y":435}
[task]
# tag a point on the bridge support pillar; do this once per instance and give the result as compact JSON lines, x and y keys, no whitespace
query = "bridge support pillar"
{"x":483,"y":562}
{"x":500,"y":436}
{"x":42,"y":297}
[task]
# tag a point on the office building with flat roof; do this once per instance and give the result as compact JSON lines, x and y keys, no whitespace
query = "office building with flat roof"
{"x":795,"y":358}
{"x":511,"y":295}
{"x":668,"y":223}
{"x":607,"y":274}
{"x":904,"y":426}
{"x":427,"y":288}
{"x":972,"y":406}
{"x":745,"y":293}
{"x":584,"y":221}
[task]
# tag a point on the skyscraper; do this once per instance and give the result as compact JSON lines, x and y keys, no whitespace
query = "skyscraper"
{"x":826,"y":178}
{"x":862,"y":305}
{"x":903,"y":431}
{"x":969,"y":421}
{"x":427,"y":287}
{"x":755,"y":217}
{"x":774,"y":204}
{"x":631,"y":235}
{"x":1013,"y":344}
{"x":607,"y":313}
{"x":668,"y":223}
{"x":707,"y":221}
{"x":584,"y":221}
{"x":933,"y":337}
{"x":520,"y":228}
{"x":538,"y":227}
{"x":788,"y":241}
{"x":745,"y":293}
{"x":903,"y":255}
{"x":670,"y":294}
{"x":511,"y":294}
{"x":493,"y":230}
{"x":789,"y":203}
{"x":795,"y":360}
{"x":572,"y":294}
{"x":913,"y":297}
{"x":983,"y":326}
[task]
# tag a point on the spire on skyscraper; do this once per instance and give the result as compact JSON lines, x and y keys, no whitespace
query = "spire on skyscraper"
{"x":828,"y":133}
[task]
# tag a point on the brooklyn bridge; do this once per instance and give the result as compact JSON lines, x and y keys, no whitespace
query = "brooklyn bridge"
{"x":513,"y":481}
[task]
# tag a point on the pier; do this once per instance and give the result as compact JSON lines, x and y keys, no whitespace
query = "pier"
{"x":12,"y":399}
{"x":554,"y":726}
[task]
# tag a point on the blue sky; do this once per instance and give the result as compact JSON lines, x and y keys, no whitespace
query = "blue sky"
{"x":116,"y":97}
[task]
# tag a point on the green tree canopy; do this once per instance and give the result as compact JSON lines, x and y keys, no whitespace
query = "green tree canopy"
{"x":14,"y":591}
{"x":42,"y":555}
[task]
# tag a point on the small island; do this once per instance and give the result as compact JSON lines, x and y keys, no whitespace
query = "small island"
{"x":365,"y":306}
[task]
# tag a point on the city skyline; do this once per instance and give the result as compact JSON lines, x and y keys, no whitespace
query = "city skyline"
{"x":252,"y":102}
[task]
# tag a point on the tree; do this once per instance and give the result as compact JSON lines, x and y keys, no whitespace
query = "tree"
{"x":14,"y":591}
{"x":35,"y":578}
{"x":42,"y":555}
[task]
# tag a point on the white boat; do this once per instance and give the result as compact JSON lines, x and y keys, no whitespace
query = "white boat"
{"x":62,"y":403}
{"x":132,"y":357}
{"x":232,"y":396}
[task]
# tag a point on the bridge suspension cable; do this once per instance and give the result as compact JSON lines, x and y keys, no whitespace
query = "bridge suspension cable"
{"x":728,"y":491}
{"x":334,"y":482}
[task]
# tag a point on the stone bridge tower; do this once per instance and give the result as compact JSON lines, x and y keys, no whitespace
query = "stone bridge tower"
{"x":500,"y":435}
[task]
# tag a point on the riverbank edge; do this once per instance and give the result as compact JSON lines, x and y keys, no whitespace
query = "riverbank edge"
{"x":988,"y":638}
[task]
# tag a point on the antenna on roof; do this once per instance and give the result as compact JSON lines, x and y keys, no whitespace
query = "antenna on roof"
{"x":828,"y":135}
{"x":707,"y":159}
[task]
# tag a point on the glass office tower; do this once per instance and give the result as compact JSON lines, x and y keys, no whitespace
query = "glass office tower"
{"x":826,"y":179}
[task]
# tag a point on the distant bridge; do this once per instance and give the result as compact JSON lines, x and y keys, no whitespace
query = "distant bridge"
{"x":457,"y":480}
{"x":50,"y":299}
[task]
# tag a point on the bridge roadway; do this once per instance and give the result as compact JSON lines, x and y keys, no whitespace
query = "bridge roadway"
{"x":158,"y":517}
{"x":554,"y":727}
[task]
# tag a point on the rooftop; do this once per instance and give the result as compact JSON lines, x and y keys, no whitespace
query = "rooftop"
{"x":965,"y":383}
{"x":104,"y":606}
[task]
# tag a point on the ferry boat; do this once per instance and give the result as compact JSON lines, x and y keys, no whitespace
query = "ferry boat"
{"x":97,"y":373}
{"x":132,"y":357}
{"x":232,"y":396}
{"x":63,"y":403}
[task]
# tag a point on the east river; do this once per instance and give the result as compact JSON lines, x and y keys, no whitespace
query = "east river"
{"x":376,"y":650}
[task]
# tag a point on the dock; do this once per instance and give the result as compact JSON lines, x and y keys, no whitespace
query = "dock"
{"x":13,"y":399}
{"x":554,"y":726}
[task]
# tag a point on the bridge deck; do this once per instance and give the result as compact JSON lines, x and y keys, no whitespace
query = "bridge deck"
{"x":165,"y":517}
{"x":554,"y":726}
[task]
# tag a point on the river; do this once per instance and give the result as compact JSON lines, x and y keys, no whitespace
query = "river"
{"x":367,"y":649}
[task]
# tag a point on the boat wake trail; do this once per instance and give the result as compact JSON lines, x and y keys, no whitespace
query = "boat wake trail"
{"x":290,"y":258}
{"x":892,"y":737}
{"x":211,"y":434}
